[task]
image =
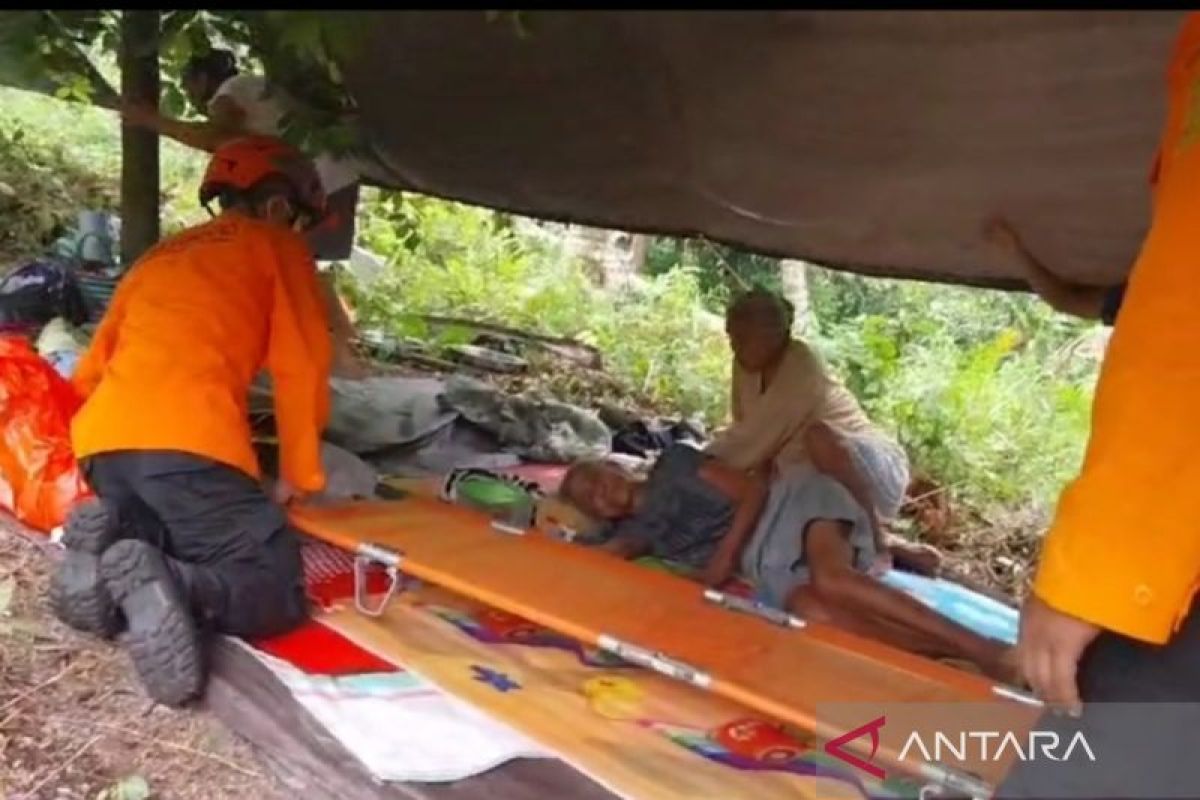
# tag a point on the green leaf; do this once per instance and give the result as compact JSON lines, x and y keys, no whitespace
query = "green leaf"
{"x":174,"y":103}
{"x":175,"y":21}
{"x":455,"y":335}
{"x":411,"y":327}
{"x":134,"y":787}
{"x":178,"y":50}
{"x":196,"y":40}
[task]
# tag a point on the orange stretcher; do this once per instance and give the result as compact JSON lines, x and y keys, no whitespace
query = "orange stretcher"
{"x":784,"y":668}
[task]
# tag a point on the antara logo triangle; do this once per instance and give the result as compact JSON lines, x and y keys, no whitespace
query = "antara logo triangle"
{"x":834,"y":747}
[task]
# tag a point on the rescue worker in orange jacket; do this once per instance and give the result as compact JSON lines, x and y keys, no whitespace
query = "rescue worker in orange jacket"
{"x":182,"y":538}
{"x":1110,"y":633}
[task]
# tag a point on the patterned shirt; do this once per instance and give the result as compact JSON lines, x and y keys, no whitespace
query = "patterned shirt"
{"x":682,"y":517}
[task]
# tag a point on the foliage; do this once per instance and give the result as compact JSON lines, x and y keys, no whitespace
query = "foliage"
{"x":973,"y":382}
{"x":301,"y":51}
{"x":47,"y":51}
{"x":56,"y":51}
{"x":446,"y":258}
{"x":60,"y":158}
{"x":40,"y":189}
{"x":721,"y":270}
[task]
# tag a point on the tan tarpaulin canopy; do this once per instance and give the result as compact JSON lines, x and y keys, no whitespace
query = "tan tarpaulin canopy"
{"x":871,"y":141}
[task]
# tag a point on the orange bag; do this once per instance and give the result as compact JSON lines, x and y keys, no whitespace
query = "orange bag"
{"x":40,"y":479}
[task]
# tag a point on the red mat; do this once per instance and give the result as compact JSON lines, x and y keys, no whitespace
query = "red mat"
{"x":319,"y":650}
{"x":329,"y":575}
{"x":315,"y":648}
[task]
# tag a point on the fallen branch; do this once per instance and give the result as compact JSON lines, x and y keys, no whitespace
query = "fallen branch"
{"x":504,"y":330}
{"x":429,"y":361}
{"x":555,"y":343}
{"x":912,"y":501}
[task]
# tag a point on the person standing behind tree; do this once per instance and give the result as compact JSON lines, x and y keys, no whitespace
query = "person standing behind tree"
{"x":235,"y":104}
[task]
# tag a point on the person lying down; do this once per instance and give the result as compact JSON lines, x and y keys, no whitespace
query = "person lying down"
{"x":801,"y":540}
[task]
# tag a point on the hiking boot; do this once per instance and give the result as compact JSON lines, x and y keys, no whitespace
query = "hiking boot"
{"x":78,"y":596}
{"x":161,"y":636}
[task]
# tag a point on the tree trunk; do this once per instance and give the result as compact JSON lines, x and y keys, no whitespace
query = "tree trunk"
{"x":637,"y":253}
{"x":612,"y":258}
{"x":139,"y":147}
{"x":794,"y":277}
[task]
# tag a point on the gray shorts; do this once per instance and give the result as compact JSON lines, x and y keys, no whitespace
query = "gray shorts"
{"x":885,"y":466}
{"x":773,"y":559}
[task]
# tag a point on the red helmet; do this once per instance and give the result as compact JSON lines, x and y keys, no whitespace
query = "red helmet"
{"x":241,"y":163}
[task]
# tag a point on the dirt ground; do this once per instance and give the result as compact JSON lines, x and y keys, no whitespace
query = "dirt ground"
{"x":75,"y":725}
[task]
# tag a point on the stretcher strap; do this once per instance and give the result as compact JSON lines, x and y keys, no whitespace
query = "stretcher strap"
{"x":368,"y":556}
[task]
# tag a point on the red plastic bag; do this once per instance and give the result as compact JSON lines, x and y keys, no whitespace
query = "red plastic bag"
{"x":40,"y":479}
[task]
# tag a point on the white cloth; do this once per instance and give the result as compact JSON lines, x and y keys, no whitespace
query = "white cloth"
{"x":59,"y":336}
{"x":401,"y":727}
{"x":264,"y":107}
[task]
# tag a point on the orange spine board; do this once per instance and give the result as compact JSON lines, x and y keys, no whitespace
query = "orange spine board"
{"x":784,"y":673}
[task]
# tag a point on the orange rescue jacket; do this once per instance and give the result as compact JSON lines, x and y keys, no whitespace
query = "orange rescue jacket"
{"x":1124,"y":549}
{"x":188,"y":329}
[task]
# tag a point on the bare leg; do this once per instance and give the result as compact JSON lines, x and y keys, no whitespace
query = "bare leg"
{"x":805,"y":603}
{"x":893,"y":617}
{"x":829,"y":455}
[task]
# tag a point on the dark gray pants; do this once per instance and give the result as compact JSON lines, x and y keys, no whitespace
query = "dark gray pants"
{"x":1141,"y":718}
{"x":227,"y":545}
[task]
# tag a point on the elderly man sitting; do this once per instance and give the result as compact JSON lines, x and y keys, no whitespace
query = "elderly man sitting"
{"x":787,"y":410}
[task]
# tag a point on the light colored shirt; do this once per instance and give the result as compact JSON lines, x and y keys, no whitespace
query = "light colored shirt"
{"x":264,"y":106}
{"x":770,"y":424}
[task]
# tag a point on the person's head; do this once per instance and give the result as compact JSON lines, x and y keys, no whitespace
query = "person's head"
{"x":267,"y":178}
{"x":599,"y":489}
{"x":759,"y":325}
{"x":204,"y":73}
